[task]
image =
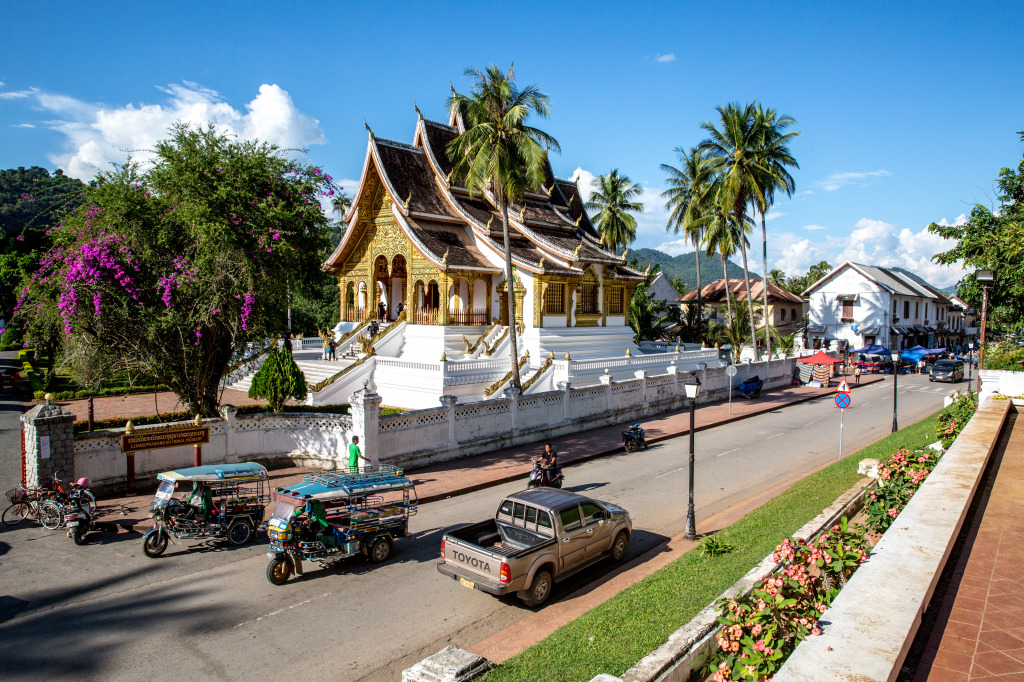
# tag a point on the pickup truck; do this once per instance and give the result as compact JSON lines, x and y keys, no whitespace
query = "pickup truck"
{"x":537,"y":538}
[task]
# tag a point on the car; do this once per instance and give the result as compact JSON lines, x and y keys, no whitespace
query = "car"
{"x":947,"y":370}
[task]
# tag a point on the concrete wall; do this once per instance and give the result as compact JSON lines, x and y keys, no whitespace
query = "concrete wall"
{"x":871,"y":309}
{"x":1001,"y":381}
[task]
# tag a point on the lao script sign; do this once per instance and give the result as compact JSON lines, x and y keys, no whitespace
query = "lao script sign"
{"x":193,"y":435}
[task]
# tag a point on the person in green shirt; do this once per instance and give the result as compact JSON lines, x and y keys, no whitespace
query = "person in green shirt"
{"x":354,"y":455}
{"x":203,"y":497}
{"x":316,"y":521}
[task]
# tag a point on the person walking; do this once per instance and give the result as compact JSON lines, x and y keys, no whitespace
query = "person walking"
{"x":354,"y":455}
{"x":856,"y":374}
{"x":382,"y":311}
{"x":333,"y":346}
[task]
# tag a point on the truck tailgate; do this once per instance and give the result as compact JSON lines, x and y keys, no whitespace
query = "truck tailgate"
{"x":471,"y":561}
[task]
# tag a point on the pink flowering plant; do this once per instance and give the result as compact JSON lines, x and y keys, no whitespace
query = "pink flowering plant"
{"x":762,"y":628}
{"x":954,"y":418}
{"x":176,"y":269}
{"x":899,"y":477}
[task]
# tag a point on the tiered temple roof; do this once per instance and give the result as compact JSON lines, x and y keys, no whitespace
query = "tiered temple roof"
{"x":550,"y":231}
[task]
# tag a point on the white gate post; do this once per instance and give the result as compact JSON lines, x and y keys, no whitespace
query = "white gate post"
{"x":512,"y":394}
{"x":366,"y":421}
{"x":449,"y":402}
{"x":606,"y":379}
{"x":642,"y":376}
{"x":564,"y":387}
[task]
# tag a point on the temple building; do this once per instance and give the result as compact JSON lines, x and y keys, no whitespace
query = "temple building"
{"x":427,"y":260}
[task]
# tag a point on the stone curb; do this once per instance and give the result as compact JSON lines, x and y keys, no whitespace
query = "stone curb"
{"x":611,"y":451}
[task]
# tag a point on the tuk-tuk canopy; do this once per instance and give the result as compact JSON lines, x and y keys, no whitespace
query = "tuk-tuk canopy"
{"x":245,"y":471}
{"x":332,"y":485}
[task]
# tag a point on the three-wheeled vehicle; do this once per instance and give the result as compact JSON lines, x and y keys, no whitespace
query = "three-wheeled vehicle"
{"x":227,"y":503}
{"x":331,"y":515}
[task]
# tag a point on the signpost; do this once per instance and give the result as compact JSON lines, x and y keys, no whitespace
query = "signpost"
{"x":132,"y":442}
{"x":842,"y":402}
{"x":730,"y":371}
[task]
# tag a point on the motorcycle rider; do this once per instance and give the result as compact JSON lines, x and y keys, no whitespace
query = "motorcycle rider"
{"x":201,"y":499}
{"x":547,"y":463}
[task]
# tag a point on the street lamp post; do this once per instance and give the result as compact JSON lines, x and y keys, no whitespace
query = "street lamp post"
{"x":692,"y":390}
{"x":985,"y":278}
{"x":895,"y":383}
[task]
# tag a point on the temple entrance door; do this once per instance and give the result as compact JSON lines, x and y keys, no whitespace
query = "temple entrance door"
{"x":503,"y":308}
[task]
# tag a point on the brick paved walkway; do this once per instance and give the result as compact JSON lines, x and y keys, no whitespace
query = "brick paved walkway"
{"x":979,"y":632}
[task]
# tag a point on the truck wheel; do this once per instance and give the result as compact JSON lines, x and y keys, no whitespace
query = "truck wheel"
{"x":539,"y":591}
{"x":380,"y":550}
{"x":278,"y":571}
{"x":154,"y":545}
{"x":240,"y":532}
{"x":619,"y":546}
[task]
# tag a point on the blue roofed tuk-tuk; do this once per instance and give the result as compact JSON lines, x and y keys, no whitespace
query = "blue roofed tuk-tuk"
{"x":332,"y":515}
{"x":217,"y":501}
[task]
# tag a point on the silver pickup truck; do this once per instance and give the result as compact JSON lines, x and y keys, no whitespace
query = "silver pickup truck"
{"x":537,"y":538}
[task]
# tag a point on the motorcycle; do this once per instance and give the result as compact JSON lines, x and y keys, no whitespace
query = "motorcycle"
{"x":634,"y":439}
{"x":80,"y":521}
{"x":539,"y":480}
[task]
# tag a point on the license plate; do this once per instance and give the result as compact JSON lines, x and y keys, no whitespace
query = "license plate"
{"x":467,"y":583}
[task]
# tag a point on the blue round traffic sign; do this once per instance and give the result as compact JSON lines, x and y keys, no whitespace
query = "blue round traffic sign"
{"x":842,"y":400}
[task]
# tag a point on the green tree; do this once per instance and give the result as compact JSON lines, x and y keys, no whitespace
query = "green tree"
{"x":278,"y":379}
{"x":647,"y":316}
{"x":773,"y":160}
{"x":176,"y":269}
{"x":613,"y":199}
{"x":723,"y":236}
{"x":679,"y":285}
{"x":777,"y":277}
{"x":498,"y":154}
{"x":733,"y":147}
{"x":31,"y":201}
{"x":690,"y":200}
{"x":993,"y":239}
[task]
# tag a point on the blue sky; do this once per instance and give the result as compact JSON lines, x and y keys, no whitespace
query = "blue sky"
{"x":907,"y":110}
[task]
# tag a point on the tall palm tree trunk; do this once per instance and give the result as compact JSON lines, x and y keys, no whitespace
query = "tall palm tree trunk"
{"x":764,"y":282}
{"x":725,"y":278}
{"x":511,"y":295}
{"x":700,"y":303}
{"x":750,"y":302}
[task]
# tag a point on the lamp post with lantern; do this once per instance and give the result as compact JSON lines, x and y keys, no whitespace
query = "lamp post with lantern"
{"x":895,"y":383}
{"x":692,"y":391}
{"x":985,"y":278}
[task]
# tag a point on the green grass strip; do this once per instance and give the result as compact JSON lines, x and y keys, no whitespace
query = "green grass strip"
{"x":613,"y":637}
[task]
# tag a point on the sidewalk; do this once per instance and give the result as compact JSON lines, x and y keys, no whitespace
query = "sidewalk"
{"x":978,"y":632}
{"x":467,"y":474}
{"x":141,"y":404}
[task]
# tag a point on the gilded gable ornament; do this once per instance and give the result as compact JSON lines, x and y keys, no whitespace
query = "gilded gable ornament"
{"x":576,"y":253}
{"x":522,"y":213}
{"x":367,"y":126}
{"x":490,"y":221}
{"x":577,"y":223}
{"x":418,"y":112}
{"x":408,"y":200}
{"x":444,"y":258}
{"x":624,"y":254}
{"x":541,"y":263}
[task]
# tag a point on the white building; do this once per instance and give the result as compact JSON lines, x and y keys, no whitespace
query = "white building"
{"x":856,"y":305}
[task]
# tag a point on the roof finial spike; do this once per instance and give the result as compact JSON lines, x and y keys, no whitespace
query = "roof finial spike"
{"x":418,"y":112}
{"x":490,"y":221}
{"x":444,"y":258}
{"x":367,"y":126}
{"x":408,"y":199}
{"x":624,"y":254}
{"x":452,"y":88}
{"x":541,"y":263}
{"x":522,"y":213}
{"x":576,"y":253}
{"x":577,"y":223}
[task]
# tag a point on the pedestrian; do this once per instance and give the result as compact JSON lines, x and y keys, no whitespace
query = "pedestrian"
{"x":856,"y":374}
{"x":334,"y":350}
{"x":382,"y":311}
{"x":921,"y":364}
{"x":354,"y":455}
{"x":288,"y":341}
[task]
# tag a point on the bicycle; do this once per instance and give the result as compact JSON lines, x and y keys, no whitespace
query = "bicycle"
{"x":25,"y":501}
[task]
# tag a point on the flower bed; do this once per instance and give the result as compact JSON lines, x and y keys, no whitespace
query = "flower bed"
{"x":762,"y":628}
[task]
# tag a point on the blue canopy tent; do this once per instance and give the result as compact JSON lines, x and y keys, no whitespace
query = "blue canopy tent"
{"x":916,"y":353}
{"x":873,"y":349}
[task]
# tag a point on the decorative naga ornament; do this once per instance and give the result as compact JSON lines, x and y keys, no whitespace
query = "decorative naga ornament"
{"x":444,"y":258}
{"x":541,"y":263}
{"x":576,"y":253}
{"x":408,"y":200}
{"x":418,"y":112}
{"x":367,"y":126}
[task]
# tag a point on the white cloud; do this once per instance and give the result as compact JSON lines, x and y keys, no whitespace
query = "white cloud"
{"x":960,"y":220}
{"x":22,"y":125}
{"x":838,"y":180}
{"x":665,"y":58}
{"x":875,"y":242}
{"x":676,"y":247}
{"x":794,"y":255}
{"x":97,"y":135}
{"x":15,"y":94}
{"x":772,"y":215}
{"x":813,"y":228}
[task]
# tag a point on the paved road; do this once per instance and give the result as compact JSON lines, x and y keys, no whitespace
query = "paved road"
{"x":208,"y":612}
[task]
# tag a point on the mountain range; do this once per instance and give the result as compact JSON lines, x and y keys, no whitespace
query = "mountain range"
{"x":684,"y":266}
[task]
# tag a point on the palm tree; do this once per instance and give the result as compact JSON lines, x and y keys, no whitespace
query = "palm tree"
{"x":724,"y":237}
{"x":689,"y":199}
{"x":341,"y":203}
{"x":733,"y":152}
{"x":613,"y":200}
{"x":777,"y":277}
{"x":774,"y":156}
{"x":499,"y":154}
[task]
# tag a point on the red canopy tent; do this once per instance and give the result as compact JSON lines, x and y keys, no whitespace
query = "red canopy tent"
{"x":820,"y":358}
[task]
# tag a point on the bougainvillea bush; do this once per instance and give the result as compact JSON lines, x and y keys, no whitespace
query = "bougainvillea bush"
{"x":761,"y":629}
{"x":174,"y":267}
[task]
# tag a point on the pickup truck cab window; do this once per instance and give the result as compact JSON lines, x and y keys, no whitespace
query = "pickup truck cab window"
{"x":531,"y":517}
{"x":592,"y":513}
{"x":543,"y":520}
{"x":506,"y":508}
{"x":518,"y":513}
{"x":570,"y":517}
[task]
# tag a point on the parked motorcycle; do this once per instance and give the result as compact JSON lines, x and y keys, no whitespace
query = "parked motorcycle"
{"x":80,"y":521}
{"x":634,"y":439}
{"x":539,"y":480}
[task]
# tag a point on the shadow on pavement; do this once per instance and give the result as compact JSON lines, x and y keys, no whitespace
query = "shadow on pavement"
{"x":583,"y":487}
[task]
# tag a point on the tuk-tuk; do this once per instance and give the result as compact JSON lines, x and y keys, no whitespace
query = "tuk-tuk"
{"x":331,"y":515}
{"x":217,"y":501}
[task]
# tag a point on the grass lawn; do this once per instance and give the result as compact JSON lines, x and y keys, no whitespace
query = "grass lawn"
{"x":612,"y":637}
